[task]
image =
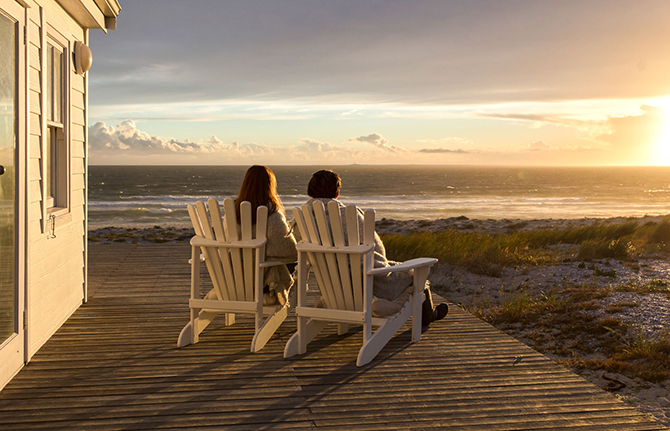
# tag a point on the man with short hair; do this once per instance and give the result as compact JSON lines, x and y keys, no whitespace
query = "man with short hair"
{"x":391,"y":290}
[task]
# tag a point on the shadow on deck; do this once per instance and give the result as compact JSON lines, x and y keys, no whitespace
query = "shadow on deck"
{"x":114,"y":365}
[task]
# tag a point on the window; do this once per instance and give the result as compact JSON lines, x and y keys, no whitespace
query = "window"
{"x":56,"y":149}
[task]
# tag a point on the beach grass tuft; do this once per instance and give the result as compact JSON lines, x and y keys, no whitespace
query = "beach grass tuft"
{"x":488,"y":254}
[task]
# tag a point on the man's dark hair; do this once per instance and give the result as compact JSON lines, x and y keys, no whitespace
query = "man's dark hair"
{"x":324,"y":184}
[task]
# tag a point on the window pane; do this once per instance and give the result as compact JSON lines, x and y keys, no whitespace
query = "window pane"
{"x":47,"y":160}
{"x":50,"y":83}
{"x":7,"y":180}
{"x":58,"y":80}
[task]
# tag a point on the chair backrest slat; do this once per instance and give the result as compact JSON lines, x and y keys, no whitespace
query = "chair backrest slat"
{"x":247,"y":253}
{"x":352,"y":222}
{"x":300,"y":221}
{"x":261,"y":222}
{"x":235,"y":253}
{"x":202,"y":228}
{"x":261,"y":232}
{"x":318,"y":260}
{"x":355,"y":261}
{"x":369,"y":227}
{"x":217,"y":220}
{"x":224,"y":255}
{"x":331,"y":262}
{"x":342,"y":259}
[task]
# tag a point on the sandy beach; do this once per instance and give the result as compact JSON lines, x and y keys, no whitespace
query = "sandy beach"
{"x":649,"y":313}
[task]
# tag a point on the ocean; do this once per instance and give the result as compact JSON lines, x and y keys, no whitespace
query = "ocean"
{"x":145,"y":196}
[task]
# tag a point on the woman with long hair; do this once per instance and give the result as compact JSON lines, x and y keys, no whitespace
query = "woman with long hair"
{"x":259,"y":187}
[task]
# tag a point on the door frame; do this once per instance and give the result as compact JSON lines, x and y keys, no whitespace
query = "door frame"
{"x":13,"y":352}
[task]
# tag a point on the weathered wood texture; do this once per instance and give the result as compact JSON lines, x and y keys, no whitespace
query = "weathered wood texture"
{"x":114,"y":365}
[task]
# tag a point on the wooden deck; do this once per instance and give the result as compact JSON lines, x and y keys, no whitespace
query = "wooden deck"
{"x":114,"y":365}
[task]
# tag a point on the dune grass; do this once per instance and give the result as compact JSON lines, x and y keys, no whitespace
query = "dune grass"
{"x":488,"y":254}
{"x":561,"y":322}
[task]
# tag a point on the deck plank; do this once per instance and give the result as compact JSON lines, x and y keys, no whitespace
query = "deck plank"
{"x":114,"y":365}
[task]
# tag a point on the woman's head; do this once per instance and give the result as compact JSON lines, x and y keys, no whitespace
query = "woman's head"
{"x":324,"y":184}
{"x":260,"y":188}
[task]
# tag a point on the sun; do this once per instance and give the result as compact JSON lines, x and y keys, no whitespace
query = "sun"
{"x":661,"y":149}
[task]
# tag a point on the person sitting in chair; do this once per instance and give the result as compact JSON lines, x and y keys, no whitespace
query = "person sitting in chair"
{"x":390,"y":290}
{"x":259,"y":187}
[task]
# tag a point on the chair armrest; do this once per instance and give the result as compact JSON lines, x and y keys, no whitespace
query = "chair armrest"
{"x":269,"y":263}
{"x":307,"y":247}
{"x":198,"y":241}
{"x":202,"y":259}
{"x":405,"y":266}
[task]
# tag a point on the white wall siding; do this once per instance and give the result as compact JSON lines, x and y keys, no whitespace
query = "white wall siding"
{"x":56,"y":271}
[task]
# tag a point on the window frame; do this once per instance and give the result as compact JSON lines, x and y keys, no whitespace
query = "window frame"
{"x":56,"y":164}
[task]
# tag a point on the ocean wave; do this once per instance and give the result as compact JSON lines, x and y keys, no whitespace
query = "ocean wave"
{"x":553,"y":200}
{"x":168,"y":198}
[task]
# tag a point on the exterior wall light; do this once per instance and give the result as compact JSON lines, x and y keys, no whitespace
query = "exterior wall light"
{"x":83,"y":58}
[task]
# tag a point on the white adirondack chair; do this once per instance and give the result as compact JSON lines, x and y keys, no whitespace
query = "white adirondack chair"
{"x":344,"y":271}
{"x":235,"y":262}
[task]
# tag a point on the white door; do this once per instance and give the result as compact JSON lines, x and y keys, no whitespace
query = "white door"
{"x":12,"y":198}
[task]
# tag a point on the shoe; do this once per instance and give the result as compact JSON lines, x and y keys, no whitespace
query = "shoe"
{"x":441,"y":311}
{"x":269,"y":298}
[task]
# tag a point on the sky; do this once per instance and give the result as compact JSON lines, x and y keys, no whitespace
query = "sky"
{"x":307,"y":82}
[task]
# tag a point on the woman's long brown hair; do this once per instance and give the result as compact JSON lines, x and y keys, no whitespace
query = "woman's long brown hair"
{"x":260,"y":188}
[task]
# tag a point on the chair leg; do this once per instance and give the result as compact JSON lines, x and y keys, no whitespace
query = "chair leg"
{"x":373,"y":345}
{"x":417,"y":301}
{"x":230,"y":319}
{"x":268,"y":328}
{"x":185,"y":336}
{"x":297,"y":344}
{"x":420,"y":276}
{"x":342,"y":328}
{"x":189,"y":334}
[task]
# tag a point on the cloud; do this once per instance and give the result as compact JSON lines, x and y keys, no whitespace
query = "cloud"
{"x":167,"y":50}
{"x":127,"y":138}
{"x":378,"y":141}
{"x":442,"y":150}
{"x":631,"y":130}
{"x":538,"y":146}
{"x":561,"y":120}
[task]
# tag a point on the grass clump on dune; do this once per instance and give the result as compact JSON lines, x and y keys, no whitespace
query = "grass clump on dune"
{"x":488,"y":254}
{"x":480,"y":253}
